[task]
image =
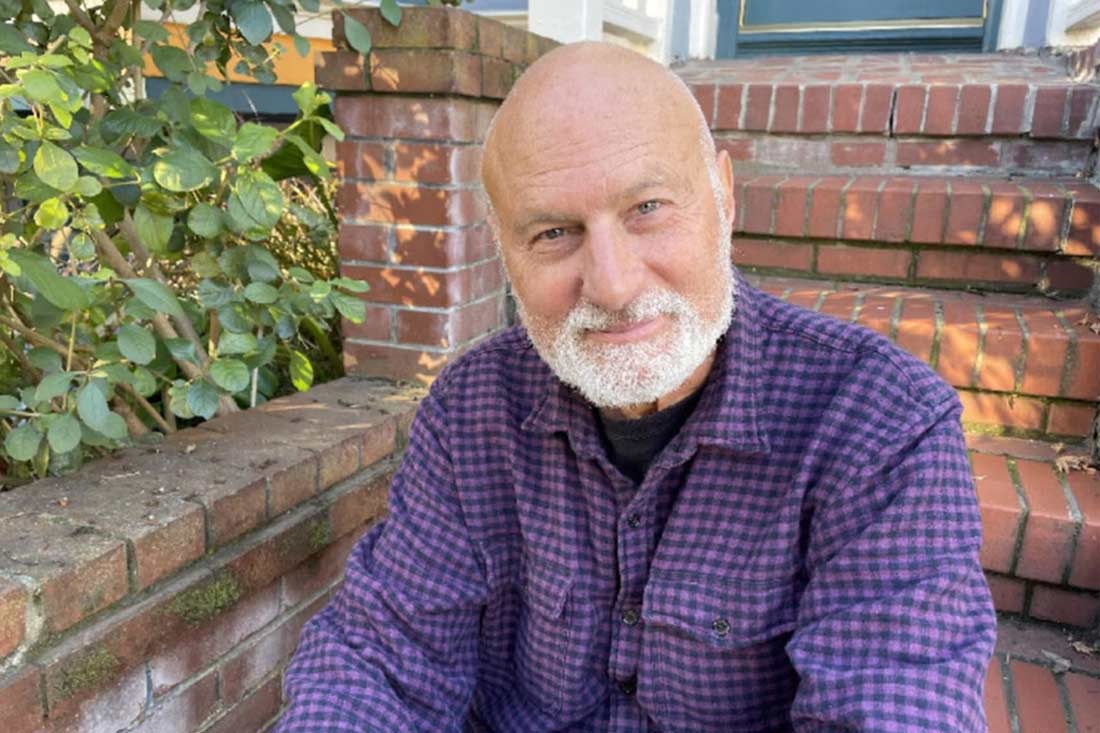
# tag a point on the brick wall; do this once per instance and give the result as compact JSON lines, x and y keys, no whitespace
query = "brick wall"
{"x":412,"y":216}
{"x":163,"y":589}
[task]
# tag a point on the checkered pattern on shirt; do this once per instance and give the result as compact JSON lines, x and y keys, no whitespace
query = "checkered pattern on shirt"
{"x":802,"y":556}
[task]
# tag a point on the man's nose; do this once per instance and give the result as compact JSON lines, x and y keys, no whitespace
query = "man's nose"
{"x":614,"y":272}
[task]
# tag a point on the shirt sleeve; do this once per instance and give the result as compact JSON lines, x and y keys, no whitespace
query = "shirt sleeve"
{"x":395,"y":649}
{"x":896,"y":625}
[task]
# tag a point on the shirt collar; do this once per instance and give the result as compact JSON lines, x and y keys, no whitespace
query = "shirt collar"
{"x":728,"y":413}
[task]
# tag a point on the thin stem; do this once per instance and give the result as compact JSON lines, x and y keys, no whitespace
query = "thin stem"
{"x":148,"y":408}
{"x":256,"y":374}
{"x":72,"y":343}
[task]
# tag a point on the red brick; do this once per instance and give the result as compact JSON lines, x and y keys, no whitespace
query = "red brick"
{"x":1084,"y":229}
{"x":1050,"y":104}
{"x":955,"y":152}
{"x":430,"y":328}
{"x":233,"y":510}
{"x":785,"y":116}
{"x":705,"y":95}
{"x":419,"y":70}
{"x":342,"y":71}
{"x":1047,"y":349}
{"x":909,"y":110}
{"x":497,"y":77}
{"x":1010,"y":411}
{"x":1067,"y":418}
{"x":917,"y":326}
{"x":253,"y":712}
{"x":1008,"y":593}
{"x":728,"y":115}
{"x":414,"y":118}
{"x":1000,"y":511}
{"x":1080,"y":123}
{"x":790,"y":212}
{"x":477,"y":319}
{"x":993,"y":696}
{"x":356,"y":506}
{"x":13,"y":615}
{"x":490,"y":37}
{"x":1084,"y":701}
{"x":250,"y":664}
{"x":376,"y":325}
{"x":1048,"y":535}
{"x":514,"y":44}
{"x":426,"y":288}
{"x":293,"y":485}
{"x":1044,"y":218}
{"x":186,"y":710}
{"x":758,"y":204}
{"x":815,"y":109}
{"x":1001,"y":350}
{"x":895,"y":210}
{"x":840,"y":305}
{"x":857,"y":154}
{"x":363,"y":160}
{"x":929,"y":210}
{"x":958,"y":343}
{"x":319,"y":572}
{"x":757,"y":106}
{"x":1085,"y":572}
{"x":422,"y":28}
{"x":1008,"y":110}
{"x":175,"y":544}
{"x":825,"y":207}
{"x":1006,"y":215}
{"x":859,"y":208}
{"x":434,"y":163}
{"x":443,"y":249}
{"x":393,"y":362}
{"x":20,"y":704}
{"x":966,"y":206}
{"x":1084,"y":377}
{"x":939,"y":119}
{"x":737,"y":149}
{"x":1065,"y":607}
{"x":847,"y":100}
{"x":1045,"y":158}
{"x":385,"y":203}
{"x":973,"y":267}
{"x":363,"y":242}
{"x":876,"y":313}
{"x":1067,"y":275}
{"x":877,"y":100}
{"x":842,"y":260}
{"x":1038,"y":703}
{"x":752,"y":252}
{"x":974,"y":109}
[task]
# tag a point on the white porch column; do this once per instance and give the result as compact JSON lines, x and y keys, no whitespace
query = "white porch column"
{"x":566,"y":20}
{"x":704,"y":29}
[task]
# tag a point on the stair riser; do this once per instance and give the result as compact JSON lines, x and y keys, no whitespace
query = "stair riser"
{"x":1044,"y":602}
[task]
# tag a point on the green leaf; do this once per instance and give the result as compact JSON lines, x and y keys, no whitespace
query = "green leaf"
{"x":155,"y":230}
{"x":41,"y":86}
{"x":88,"y":187}
{"x":177,"y":400}
{"x":205,"y":264}
{"x":391,"y":12}
{"x":173,"y":62}
{"x":55,"y":166}
{"x":255,"y":204}
{"x":202,"y":399}
{"x":91,"y":405}
{"x":311,"y":6}
{"x":156,"y":296}
{"x":284,"y":17}
{"x":234,"y":318}
{"x":7,"y":402}
{"x":349,"y":307}
{"x":52,"y":385}
{"x":253,"y":140}
{"x":182,"y":349}
{"x":81,"y":248}
{"x":347,"y":283}
{"x":205,"y":220}
{"x":51,"y":214}
{"x":252,"y":19}
{"x":80,"y":37}
{"x":150,"y":30}
{"x":64,"y":433}
{"x":104,"y":162}
{"x":22,"y":443}
{"x":301,"y":45}
{"x":357,"y":34}
{"x":320,"y":290}
{"x":114,"y":427}
{"x":261,"y":264}
{"x":214,"y":295}
{"x":301,"y":371}
{"x":330,"y":127}
{"x":305,"y":97}
{"x":12,"y":42}
{"x":261,"y":293}
{"x":144,"y":381}
{"x":60,"y":291}
{"x":137,"y":344}
{"x":213,"y":120}
{"x":183,"y":170}
{"x":229,"y":374}
{"x":301,"y":275}
{"x":10,"y":158}
{"x":237,"y":343}
{"x":43,"y":359}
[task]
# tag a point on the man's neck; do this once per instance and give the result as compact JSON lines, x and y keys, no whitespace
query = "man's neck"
{"x":691,"y":385}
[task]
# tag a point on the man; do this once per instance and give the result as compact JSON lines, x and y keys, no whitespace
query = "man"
{"x":671,"y":502}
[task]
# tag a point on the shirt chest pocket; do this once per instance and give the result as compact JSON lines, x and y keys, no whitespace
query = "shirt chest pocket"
{"x":561,"y":645}
{"x":714,"y":653}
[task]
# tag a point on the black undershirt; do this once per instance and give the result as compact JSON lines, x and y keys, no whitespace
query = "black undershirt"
{"x":633,"y":444}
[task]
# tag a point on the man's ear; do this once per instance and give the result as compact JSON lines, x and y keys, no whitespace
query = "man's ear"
{"x":725,"y":175}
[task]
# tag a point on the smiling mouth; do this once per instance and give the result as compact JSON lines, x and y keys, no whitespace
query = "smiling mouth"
{"x":628,"y":332}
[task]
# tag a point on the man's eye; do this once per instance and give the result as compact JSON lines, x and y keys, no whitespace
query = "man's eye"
{"x":648,"y":207}
{"x":555,"y":233}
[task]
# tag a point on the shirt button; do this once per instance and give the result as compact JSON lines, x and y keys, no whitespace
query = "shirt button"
{"x":631,"y":616}
{"x":629,"y":686}
{"x":721,"y":626}
{"x":633,"y":521}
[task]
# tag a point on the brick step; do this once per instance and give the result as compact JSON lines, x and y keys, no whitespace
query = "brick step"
{"x":1029,"y":691}
{"x":1017,"y":236}
{"x":1023,"y":366}
{"x":1003,"y":114}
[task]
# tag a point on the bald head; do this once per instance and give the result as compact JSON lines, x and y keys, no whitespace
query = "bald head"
{"x":581,"y":92}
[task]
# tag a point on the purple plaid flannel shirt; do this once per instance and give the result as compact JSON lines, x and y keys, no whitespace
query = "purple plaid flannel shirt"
{"x":802,"y":556}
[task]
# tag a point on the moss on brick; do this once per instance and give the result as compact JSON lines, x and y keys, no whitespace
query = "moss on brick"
{"x":320,"y":535}
{"x":198,"y":605}
{"x":90,"y":669}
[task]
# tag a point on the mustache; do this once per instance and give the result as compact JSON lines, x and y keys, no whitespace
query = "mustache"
{"x":587,"y":316}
